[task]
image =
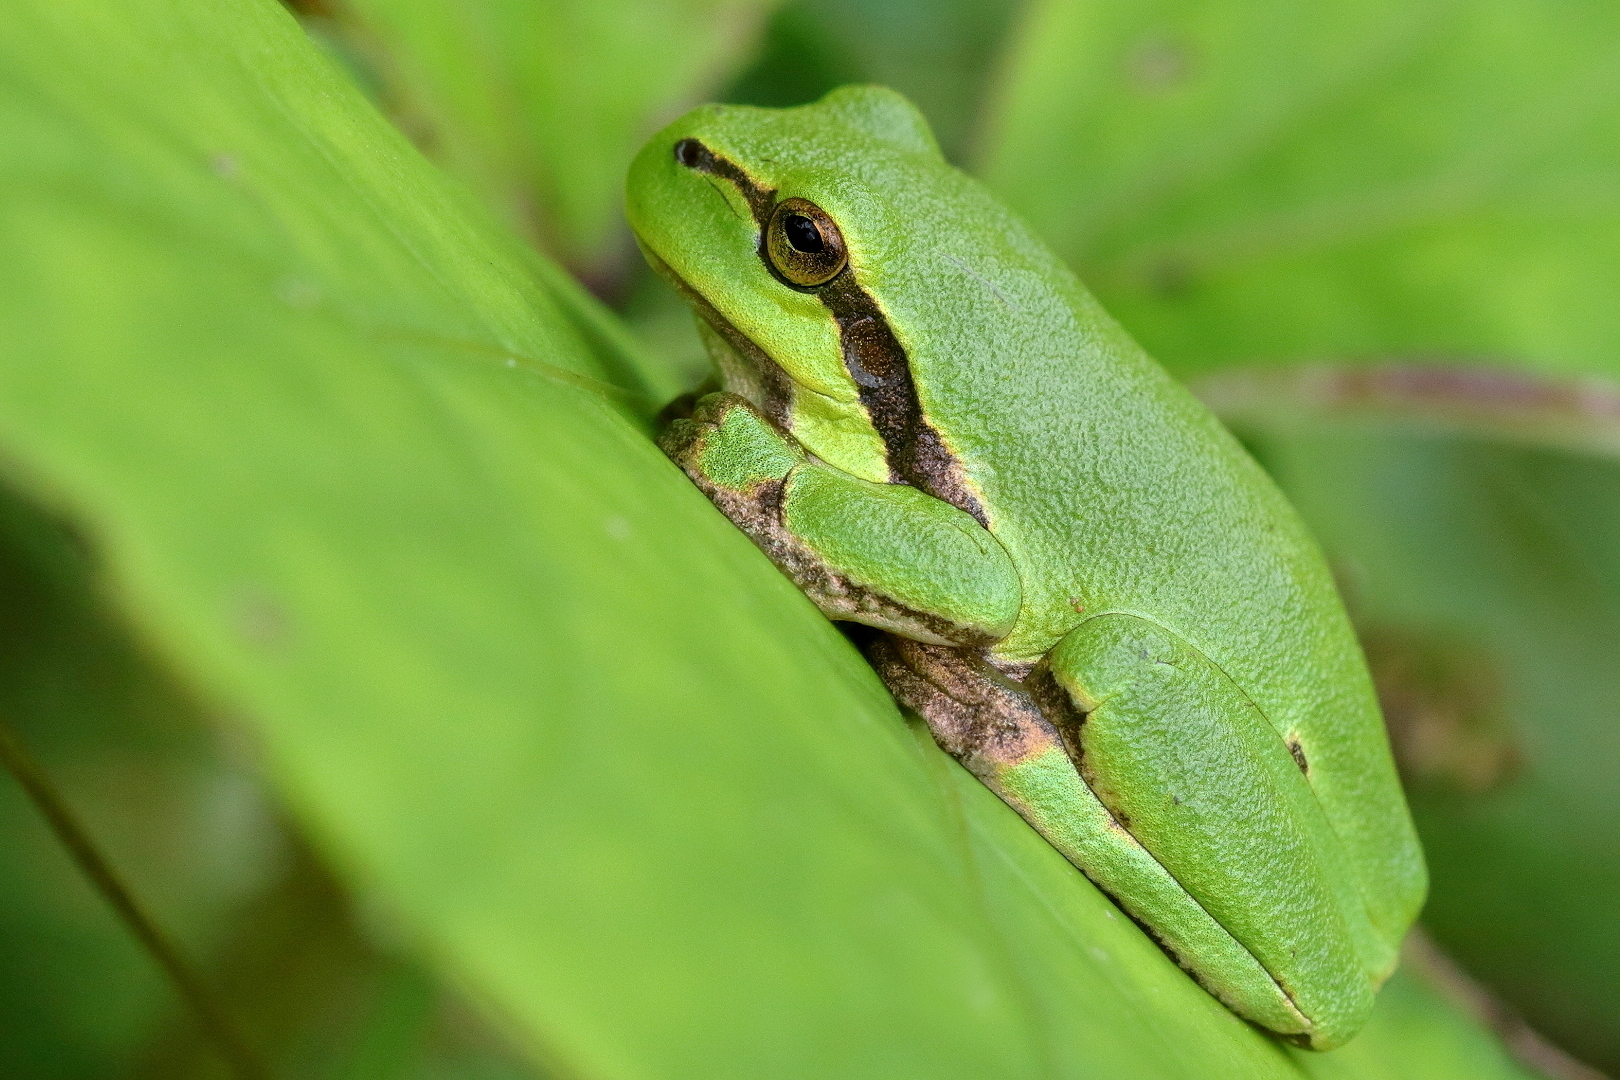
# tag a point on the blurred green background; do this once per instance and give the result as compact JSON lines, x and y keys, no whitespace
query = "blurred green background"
{"x":450,"y":734}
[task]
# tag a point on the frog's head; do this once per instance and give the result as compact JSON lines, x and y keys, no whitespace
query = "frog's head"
{"x":777,"y":225}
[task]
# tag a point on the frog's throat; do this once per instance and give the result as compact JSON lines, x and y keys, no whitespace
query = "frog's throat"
{"x":772,"y":391}
{"x":873,"y":355}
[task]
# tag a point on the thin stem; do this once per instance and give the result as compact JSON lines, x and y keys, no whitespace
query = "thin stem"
{"x":1466,"y":396}
{"x":216,"y":1027}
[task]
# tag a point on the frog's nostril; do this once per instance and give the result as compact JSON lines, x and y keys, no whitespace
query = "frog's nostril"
{"x":690,"y":152}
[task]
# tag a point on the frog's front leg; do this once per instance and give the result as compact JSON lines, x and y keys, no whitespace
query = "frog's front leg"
{"x":886,"y":555}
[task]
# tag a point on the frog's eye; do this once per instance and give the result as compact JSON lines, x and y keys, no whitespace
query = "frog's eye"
{"x":804,"y":244}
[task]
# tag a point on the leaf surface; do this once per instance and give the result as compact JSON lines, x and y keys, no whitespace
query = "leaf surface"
{"x":539,"y":105}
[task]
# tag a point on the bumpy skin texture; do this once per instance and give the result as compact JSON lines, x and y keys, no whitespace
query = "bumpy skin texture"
{"x":1092,"y":594}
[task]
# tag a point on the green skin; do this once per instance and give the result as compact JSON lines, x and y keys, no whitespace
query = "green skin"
{"x":1096,"y":599}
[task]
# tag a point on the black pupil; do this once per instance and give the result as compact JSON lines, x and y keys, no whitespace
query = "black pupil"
{"x":802,"y":233}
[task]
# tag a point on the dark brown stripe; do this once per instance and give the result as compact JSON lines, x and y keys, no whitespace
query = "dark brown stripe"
{"x":873,"y":355}
{"x":882,"y":372}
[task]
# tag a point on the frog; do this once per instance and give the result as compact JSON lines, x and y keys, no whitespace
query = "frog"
{"x":1088,"y":589}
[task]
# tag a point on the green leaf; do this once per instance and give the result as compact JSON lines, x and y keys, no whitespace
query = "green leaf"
{"x":539,"y":105}
{"x":176,"y":815}
{"x":355,"y":469}
{"x":1260,"y":181}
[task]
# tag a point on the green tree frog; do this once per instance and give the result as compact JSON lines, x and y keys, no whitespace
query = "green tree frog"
{"x":1094,"y":597}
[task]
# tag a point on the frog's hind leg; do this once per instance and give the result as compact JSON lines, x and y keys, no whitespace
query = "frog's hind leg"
{"x":979,"y":716}
{"x":989,"y":722}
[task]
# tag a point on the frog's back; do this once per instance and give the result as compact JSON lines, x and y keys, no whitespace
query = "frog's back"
{"x":1116,"y":491}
